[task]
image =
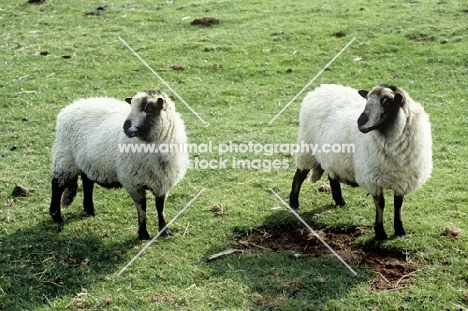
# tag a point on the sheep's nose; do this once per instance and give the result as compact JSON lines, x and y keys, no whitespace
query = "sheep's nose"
{"x":127,"y":125}
{"x":128,"y":130}
{"x":363,"y":118}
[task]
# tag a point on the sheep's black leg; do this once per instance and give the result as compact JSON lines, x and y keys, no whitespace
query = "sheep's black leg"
{"x":336,"y":191}
{"x":298,"y":179}
{"x":141,"y":209}
{"x":88,"y":186}
{"x":139,"y":198}
{"x":161,"y":221}
{"x":57,"y":190}
{"x":379,"y":202}
{"x":397,"y":221}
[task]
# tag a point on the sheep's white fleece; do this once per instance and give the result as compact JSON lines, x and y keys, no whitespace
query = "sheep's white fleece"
{"x":89,"y":132}
{"x":400,"y":161}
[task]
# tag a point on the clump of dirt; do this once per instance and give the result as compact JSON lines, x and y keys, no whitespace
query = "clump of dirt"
{"x":340,"y":34}
{"x":451,"y":232}
{"x":268,"y":302}
{"x":421,"y":38}
{"x":391,"y":267}
{"x":20,"y":191}
{"x":219,"y":209}
{"x":205,"y":21}
{"x":98,"y":11}
{"x":36,"y":2}
{"x":324,"y":187}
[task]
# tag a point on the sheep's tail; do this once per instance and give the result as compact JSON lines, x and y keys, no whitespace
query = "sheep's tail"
{"x":69,"y":194}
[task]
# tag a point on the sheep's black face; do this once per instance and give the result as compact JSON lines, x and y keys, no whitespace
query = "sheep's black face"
{"x":383,"y":104}
{"x":144,"y":117}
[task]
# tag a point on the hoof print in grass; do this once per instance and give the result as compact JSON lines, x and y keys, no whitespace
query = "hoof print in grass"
{"x":20,"y":191}
{"x":205,"y":21}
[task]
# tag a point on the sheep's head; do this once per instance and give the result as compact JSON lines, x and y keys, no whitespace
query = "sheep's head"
{"x":148,"y":112}
{"x":383,"y":105}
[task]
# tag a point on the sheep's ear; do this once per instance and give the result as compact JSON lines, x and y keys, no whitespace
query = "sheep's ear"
{"x":398,"y":99}
{"x":363,"y":93}
{"x":160,"y":104}
{"x":129,"y":100}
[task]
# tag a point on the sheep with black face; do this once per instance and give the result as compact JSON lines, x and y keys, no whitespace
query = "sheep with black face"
{"x":392,"y":145}
{"x":90,"y":143}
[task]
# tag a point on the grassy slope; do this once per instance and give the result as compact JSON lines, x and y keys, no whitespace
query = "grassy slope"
{"x":236,"y":77}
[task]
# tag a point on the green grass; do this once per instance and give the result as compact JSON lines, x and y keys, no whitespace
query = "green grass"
{"x":236,"y":77}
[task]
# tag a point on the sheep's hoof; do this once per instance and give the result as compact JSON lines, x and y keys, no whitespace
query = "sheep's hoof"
{"x":340,"y":202}
{"x":143,"y":235}
{"x":381,"y":236}
{"x":56,"y":217}
{"x":91,"y":213}
{"x":399,"y":230}
{"x":166,"y":232}
{"x":400,"y":234}
{"x":294,"y":204}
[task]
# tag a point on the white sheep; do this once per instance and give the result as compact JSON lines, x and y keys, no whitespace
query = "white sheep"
{"x":392,"y":142}
{"x":88,"y":142}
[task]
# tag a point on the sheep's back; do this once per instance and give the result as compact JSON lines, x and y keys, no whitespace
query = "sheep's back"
{"x":328,"y":116}
{"x":87,"y":136}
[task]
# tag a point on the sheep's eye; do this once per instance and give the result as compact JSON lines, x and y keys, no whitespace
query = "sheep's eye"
{"x":385,"y":101}
{"x":149,"y":108}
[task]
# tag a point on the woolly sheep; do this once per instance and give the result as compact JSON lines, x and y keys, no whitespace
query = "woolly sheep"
{"x":392,"y":145}
{"x":88,"y":136}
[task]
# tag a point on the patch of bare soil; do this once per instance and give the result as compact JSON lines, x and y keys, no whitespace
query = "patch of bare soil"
{"x":391,"y":267}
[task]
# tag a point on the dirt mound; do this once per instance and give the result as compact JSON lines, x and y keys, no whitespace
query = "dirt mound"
{"x":391,"y":267}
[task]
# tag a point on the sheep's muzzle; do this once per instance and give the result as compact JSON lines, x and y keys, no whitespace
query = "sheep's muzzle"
{"x":129,"y":130}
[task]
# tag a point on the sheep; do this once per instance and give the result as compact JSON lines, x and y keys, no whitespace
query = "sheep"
{"x":88,"y":143}
{"x":392,"y":145}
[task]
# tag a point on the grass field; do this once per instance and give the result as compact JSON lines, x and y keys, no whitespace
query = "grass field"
{"x":237,"y":75}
